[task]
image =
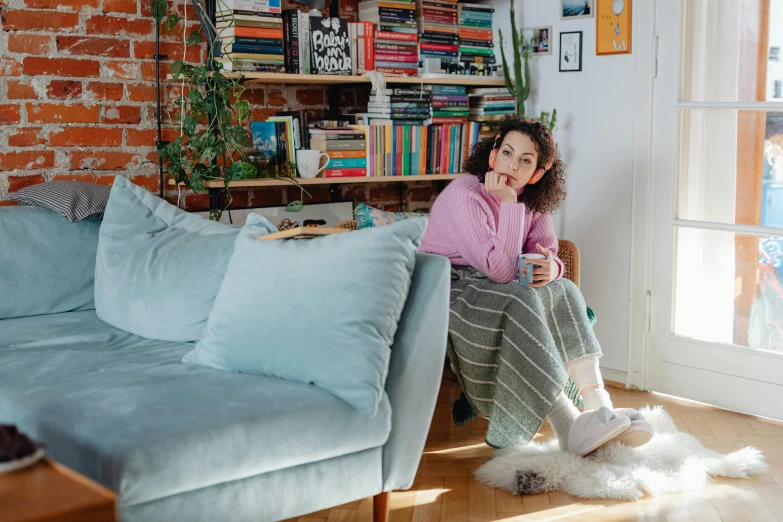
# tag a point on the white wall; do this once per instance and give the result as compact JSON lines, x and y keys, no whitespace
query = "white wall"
{"x":595,"y":136}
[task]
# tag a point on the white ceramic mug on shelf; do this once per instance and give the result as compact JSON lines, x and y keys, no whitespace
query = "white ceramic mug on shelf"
{"x":307,"y":162}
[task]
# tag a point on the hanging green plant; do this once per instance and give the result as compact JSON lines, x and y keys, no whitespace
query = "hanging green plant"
{"x":212,"y":117}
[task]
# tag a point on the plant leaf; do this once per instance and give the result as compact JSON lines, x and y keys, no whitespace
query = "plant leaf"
{"x":171,"y":21}
{"x":195,"y":38}
{"x":294,"y":206}
{"x":159,"y":8}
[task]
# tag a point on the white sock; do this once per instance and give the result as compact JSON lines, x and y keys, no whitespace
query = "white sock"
{"x":562,"y":417}
{"x":597,"y":397}
{"x":587,"y":376}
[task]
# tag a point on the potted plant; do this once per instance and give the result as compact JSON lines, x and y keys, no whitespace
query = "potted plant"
{"x":212,"y":117}
{"x":521,"y":88}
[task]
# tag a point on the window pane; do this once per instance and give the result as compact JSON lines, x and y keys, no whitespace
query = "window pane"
{"x":729,"y":288}
{"x":730,"y":167}
{"x":731,"y":50}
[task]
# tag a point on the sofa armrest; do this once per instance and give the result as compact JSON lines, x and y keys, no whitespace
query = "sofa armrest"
{"x":416,"y":368}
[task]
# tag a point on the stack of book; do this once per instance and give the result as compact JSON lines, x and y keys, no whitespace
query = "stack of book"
{"x":449,"y":104}
{"x":490,"y":103}
{"x":346,"y":148}
{"x":396,"y":37}
{"x":401,"y":107}
{"x":476,"y":48}
{"x":439,"y":31}
{"x":250,"y":34}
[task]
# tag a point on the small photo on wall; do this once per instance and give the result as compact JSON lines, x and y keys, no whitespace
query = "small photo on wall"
{"x":571,"y":51}
{"x":539,"y":39}
{"x":570,"y":9}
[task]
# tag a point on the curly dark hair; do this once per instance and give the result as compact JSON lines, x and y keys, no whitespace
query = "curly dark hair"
{"x":546,"y":195}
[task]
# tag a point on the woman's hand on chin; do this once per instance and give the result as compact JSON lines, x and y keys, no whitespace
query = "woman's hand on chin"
{"x":497,"y":185}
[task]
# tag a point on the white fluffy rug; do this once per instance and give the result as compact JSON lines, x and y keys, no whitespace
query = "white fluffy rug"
{"x":671,"y":462}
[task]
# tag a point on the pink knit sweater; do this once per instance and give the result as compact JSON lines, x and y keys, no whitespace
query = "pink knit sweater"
{"x":471,"y":226}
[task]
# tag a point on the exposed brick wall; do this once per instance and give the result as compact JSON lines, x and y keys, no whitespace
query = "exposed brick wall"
{"x":77,"y":101}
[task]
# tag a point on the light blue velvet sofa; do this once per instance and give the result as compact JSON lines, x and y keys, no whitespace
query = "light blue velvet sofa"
{"x":180,"y":442}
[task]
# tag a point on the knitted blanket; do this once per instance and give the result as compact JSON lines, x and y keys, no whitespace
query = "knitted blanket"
{"x":508,"y":344}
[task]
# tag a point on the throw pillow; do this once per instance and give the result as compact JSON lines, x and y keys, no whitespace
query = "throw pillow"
{"x":74,"y":200}
{"x":368,"y":217}
{"x":322,"y":311}
{"x":158,"y":268}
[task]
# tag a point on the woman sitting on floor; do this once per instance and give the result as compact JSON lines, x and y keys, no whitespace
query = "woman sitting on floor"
{"x":513,"y":346}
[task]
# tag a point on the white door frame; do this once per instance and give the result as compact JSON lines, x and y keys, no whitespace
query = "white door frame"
{"x":646,"y":62}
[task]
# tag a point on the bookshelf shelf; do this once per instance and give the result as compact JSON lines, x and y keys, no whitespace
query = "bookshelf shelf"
{"x":272,"y":182}
{"x":323,"y":79}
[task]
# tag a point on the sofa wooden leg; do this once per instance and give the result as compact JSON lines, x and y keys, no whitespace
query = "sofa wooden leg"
{"x":380,"y":507}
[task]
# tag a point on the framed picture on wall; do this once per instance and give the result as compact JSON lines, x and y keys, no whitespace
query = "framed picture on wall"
{"x":571,"y":51}
{"x":613,"y":26}
{"x":570,"y":9}
{"x":539,"y":39}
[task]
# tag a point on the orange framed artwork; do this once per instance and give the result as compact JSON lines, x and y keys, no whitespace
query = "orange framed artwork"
{"x":613,"y":26}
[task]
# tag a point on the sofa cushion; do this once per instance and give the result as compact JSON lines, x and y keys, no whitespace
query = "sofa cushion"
{"x":126,"y":412}
{"x":158,"y":268}
{"x":369,"y":217}
{"x":321,"y":311}
{"x":47,"y":264}
{"x":73,"y":200}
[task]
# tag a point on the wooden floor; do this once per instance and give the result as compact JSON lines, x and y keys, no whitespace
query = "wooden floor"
{"x":446,"y":491}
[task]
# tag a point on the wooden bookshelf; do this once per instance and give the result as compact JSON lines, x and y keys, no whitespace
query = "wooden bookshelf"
{"x":274,"y":182}
{"x":324,"y":79}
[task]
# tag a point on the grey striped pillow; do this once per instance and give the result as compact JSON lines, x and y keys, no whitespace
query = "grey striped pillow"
{"x":74,"y":200}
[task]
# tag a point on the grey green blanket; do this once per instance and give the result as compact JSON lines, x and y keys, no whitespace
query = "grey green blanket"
{"x":508,"y":345}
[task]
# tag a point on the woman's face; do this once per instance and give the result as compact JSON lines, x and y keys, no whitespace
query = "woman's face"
{"x":517,"y":159}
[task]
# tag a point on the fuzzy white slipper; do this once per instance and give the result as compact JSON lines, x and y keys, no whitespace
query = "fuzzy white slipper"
{"x":594,"y":428}
{"x":639,"y":432}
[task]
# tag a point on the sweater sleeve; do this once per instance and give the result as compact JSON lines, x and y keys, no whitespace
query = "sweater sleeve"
{"x":542,"y":231}
{"x":493,"y":252}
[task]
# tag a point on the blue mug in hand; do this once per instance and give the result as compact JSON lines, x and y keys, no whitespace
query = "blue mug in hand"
{"x":529,"y":279}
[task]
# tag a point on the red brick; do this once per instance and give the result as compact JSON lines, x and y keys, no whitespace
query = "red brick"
{"x":21,"y":91}
{"x":9,"y":114}
{"x":92,"y":46}
{"x":74,"y":5}
{"x":63,"y":90}
{"x":261,"y":114}
{"x":106,"y":179}
{"x":101,"y":160}
{"x":141,"y":93}
{"x":311,"y":96}
{"x":10,"y":67}
{"x":196,"y":202}
{"x":116,"y":26}
{"x":25,"y":160}
{"x":276,"y":98}
{"x":26,"y":137}
{"x":266,"y":197}
{"x":148,"y":70}
{"x":86,"y":137}
{"x":36,"y":66}
{"x":147,"y":138}
{"x":120,"y":70}
{"x":120,"y":6}
{"x":151,"y":183}
{"x":61,"y":113}
{"x":26,"y":20}
{"x":146,"y":51}
{"x":28,"y":43}
{"x":384,"y":192}
{"x":8,"y":202}
{"x":146,"y":8}
{"x":254,"y":96}
{"x":19,"y":182}
{"x":120,"y":114}
{"x":104,"y":91}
